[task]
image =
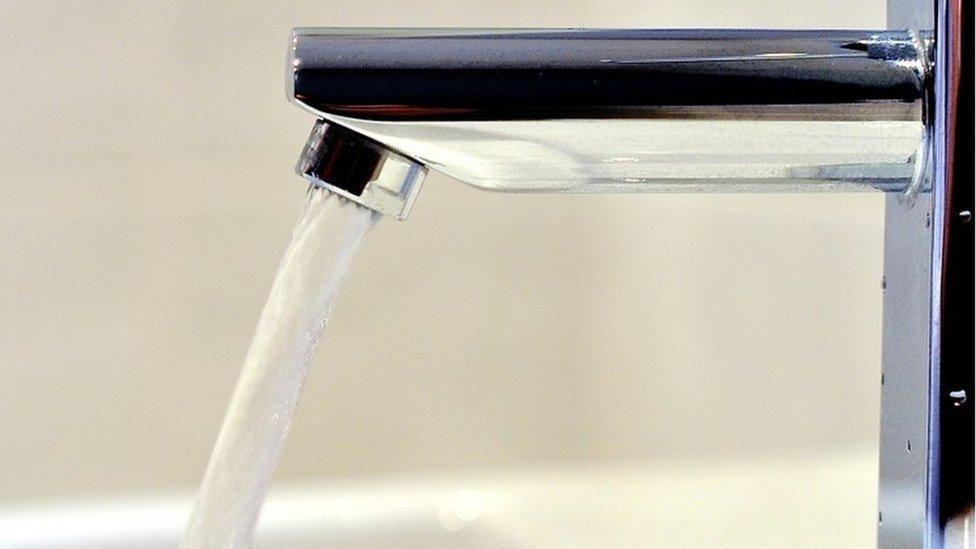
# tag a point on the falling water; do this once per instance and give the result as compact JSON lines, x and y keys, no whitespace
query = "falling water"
{"x":254,"y":430}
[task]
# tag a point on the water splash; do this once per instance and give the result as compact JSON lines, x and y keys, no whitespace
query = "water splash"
{"x":260,"y":413}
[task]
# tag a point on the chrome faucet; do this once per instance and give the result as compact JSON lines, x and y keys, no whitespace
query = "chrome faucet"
{"x":611,"y":111}
{"x":600,"y":111}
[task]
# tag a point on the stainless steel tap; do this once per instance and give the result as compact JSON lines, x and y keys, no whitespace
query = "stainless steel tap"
{"x":600,"y":111}
{"x":610,"y":110}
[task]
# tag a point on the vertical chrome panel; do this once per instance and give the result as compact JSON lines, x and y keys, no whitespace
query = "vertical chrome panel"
{"x":903,"y":515}
{"x":905,"y":518}
{"x":928,"y":318}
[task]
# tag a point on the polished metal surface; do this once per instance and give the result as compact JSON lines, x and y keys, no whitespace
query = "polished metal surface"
{"x":498,"y":74}
{"x":926,"y":461}
{"x":904,"y":504}
{"x":717,"y":111}
{"x":903,"y":519}
{"x":955,"y":423}
{"x":628,"y":110}
{"x":361,"y":170}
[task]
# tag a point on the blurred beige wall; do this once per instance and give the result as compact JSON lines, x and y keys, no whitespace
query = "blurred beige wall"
{"x":146,"y":154}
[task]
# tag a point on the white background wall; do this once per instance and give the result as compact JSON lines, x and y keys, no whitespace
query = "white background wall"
{"x":146,"y":153}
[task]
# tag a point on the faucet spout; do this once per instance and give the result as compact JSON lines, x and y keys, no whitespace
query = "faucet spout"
{"x":627,"y":110}
{"x":360,"y":169}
